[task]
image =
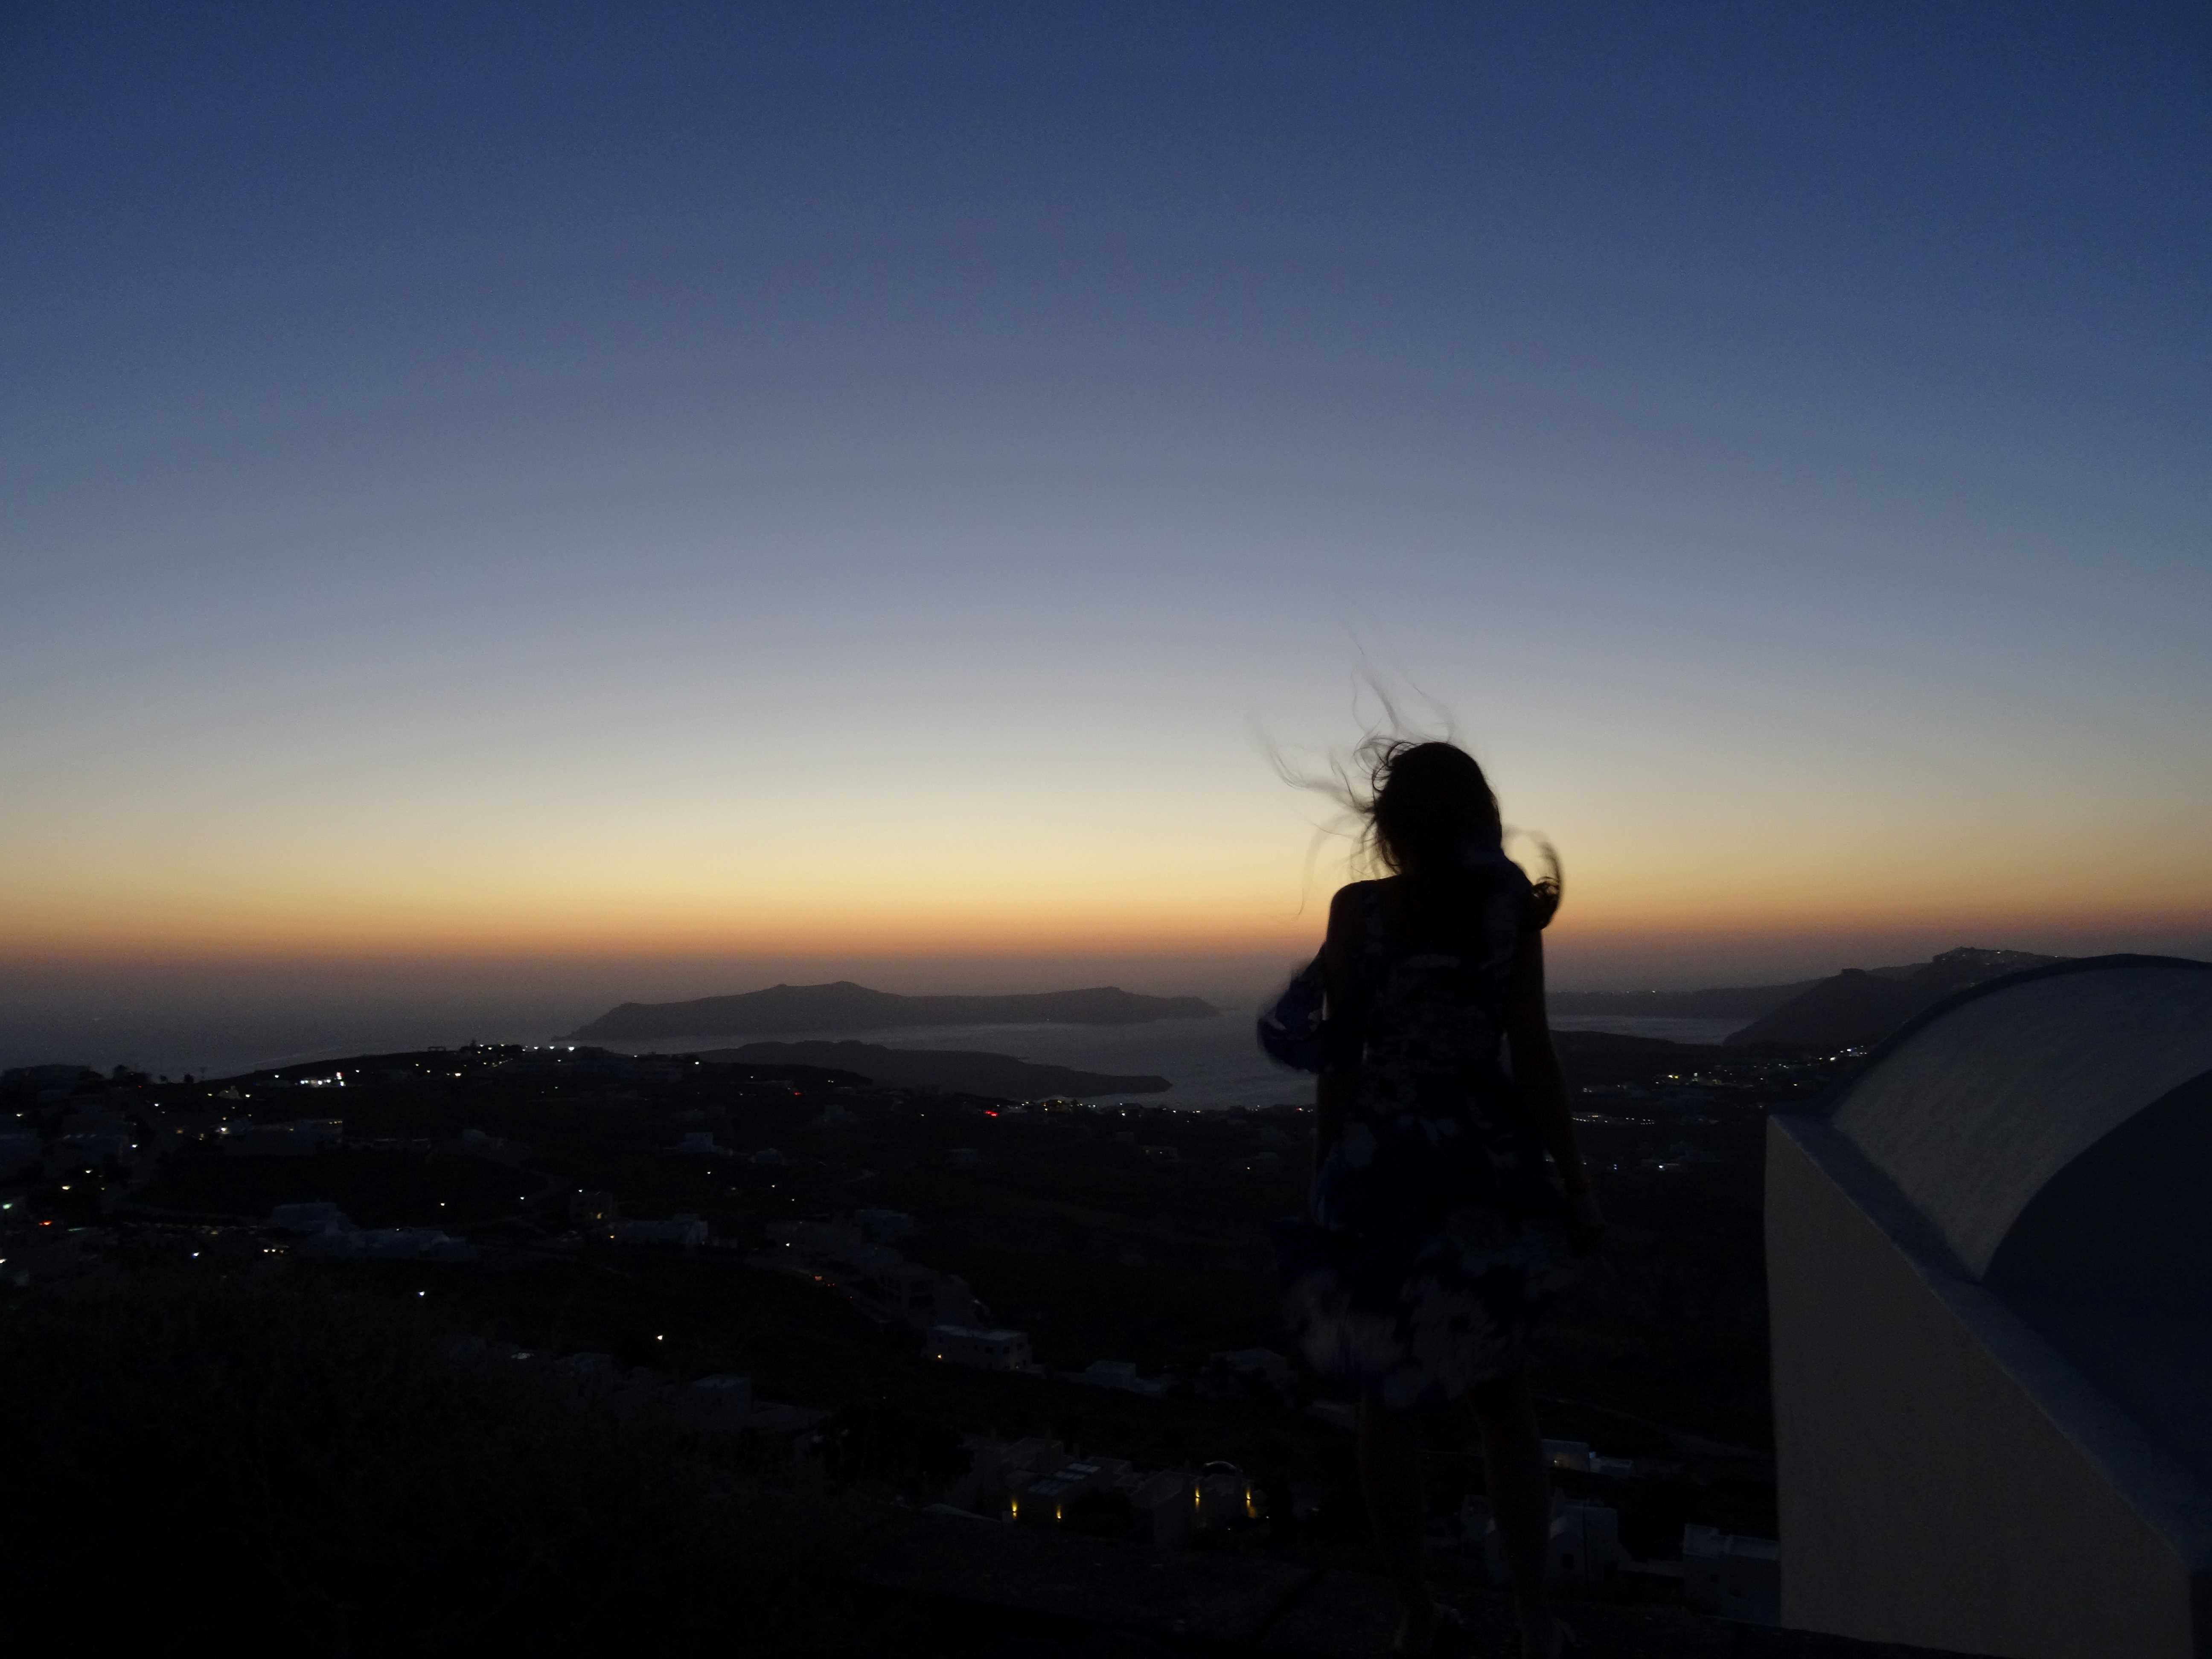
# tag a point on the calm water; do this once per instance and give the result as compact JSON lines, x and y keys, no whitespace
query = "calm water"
{"x":1210,"y":1062}
{"x":1652,"y":1025}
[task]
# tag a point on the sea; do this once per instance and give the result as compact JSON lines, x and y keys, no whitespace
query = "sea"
{"x":1210,"y":1063}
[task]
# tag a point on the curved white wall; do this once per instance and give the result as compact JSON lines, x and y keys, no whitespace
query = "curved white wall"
{"x":1988,"y":1275}
{"x":1971,"y":1113}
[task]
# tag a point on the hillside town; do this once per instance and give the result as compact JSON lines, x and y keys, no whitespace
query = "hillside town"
{"x":1048,"y":1313}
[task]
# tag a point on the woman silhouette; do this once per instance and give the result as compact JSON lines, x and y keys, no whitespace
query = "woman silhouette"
{"x":1438,"y":1233}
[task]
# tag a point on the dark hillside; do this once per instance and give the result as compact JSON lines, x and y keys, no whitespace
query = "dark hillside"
{"x":962,"y":1070}
{"x":844,"y":1007}
{"x":1858,"y":1008}
{"x":295,"y":1465}
{"x":1724,"y":1002}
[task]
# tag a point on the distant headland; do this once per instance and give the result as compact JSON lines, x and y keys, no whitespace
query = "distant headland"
{"x":1857,"y":1006}
{"x":1863,"y":1006}
{"x":959,"y":1070}
{"x":844,"y":1007}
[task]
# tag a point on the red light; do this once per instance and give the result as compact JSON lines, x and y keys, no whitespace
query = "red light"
{"x":990,"y":1113}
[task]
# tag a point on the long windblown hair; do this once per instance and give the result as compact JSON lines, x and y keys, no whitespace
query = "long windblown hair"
{"x":1425,"y":810}
{"x":1428,"y":808}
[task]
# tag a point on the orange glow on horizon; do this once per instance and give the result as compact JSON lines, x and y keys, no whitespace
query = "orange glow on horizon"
{"x":1034,"y":897}
{"x":924,"y":940}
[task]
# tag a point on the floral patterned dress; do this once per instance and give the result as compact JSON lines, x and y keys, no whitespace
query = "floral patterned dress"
{"x":1439,"y":1234}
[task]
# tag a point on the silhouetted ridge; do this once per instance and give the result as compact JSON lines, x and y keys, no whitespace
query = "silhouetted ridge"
{"x":961,"y":1071}
{"x":1860,"y":1006}
{"x":1722,"y":1002}
{"x":844,"y":1007}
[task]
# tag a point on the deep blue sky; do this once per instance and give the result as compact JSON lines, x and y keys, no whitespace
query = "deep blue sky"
{"x":823,"y":482}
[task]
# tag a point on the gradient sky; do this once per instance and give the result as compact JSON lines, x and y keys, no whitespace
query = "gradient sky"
{"x":721,"y":492}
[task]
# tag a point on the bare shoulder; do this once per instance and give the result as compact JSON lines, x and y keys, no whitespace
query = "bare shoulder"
{"x":1349,"y":895}
{"x":1347,"y":922}
{"x":1347,"y":910}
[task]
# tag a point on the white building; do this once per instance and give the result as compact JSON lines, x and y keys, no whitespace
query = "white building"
{"x":316,"y":1217}
{"x":922,"y":1297}
{"x":386,"y":1244}
{"x":1035,"y":1456}
{"x":1990,"y":1270}
{"x":1585,"y":1545}
{"x":985,"y":1350}
{"x":1568,"y":1454}
{"x":1096,"y":1473}
{"x":1584,"y":1551}
{"x":1226,"y":1498}
{"x":686,"y":1230}
{"x":721,"y":1401}
{"x":1732,"y":1575}
{"x":1043,"y":1501}
{"x":1165,"y":1506}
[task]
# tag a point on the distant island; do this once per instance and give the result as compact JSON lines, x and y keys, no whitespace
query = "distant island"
{"x":844,"y":1007}
{"x":960,"y":1071}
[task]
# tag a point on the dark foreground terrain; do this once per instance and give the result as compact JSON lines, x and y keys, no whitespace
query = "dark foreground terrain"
{"x":467,"y":1413}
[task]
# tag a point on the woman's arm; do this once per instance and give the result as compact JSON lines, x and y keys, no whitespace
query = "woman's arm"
{"x":1339,"y":1083}
{"x":1541,"y":1086}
